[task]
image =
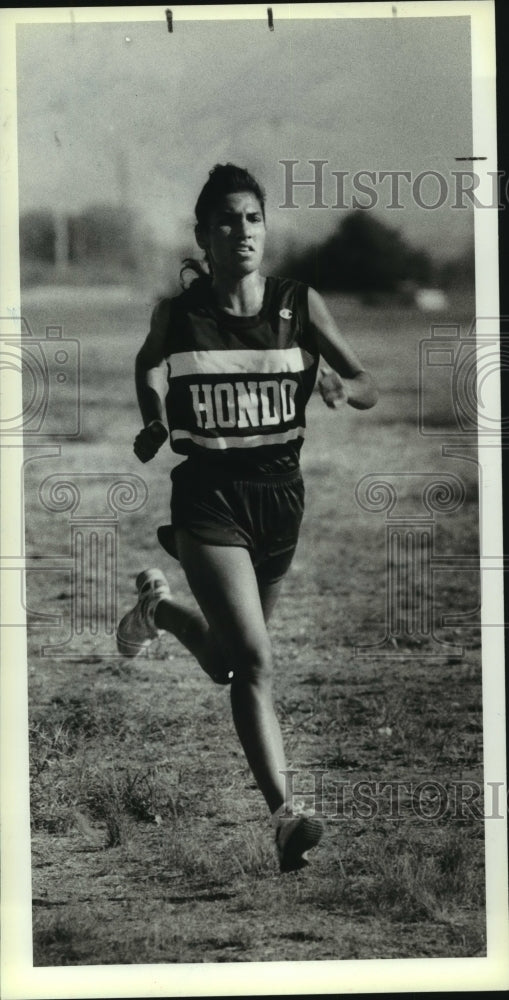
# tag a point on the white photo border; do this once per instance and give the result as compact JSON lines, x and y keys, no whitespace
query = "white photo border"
{"x":20,"y":979}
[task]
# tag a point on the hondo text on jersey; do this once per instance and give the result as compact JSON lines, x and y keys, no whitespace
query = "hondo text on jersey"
{"x":239,"y":398}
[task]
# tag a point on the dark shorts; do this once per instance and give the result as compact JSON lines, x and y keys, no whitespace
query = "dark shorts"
{"x":262,"y":515}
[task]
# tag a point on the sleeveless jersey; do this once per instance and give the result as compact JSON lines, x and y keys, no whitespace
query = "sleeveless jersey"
{"x":238,"y":385}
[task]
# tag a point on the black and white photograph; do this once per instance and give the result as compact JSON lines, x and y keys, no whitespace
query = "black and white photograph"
{"x":252,"y":605}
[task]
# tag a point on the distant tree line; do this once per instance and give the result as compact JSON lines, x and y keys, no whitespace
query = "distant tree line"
{"x":37,"y":235}
{"x":100,"y":232}
{"x":362,"y":255}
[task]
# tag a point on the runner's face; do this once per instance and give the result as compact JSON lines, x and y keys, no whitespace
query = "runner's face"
{"x":235,"y":237}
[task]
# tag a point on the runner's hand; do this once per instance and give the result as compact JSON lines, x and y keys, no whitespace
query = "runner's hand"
{"x":331,"y":388}
{"x":149,"y":440}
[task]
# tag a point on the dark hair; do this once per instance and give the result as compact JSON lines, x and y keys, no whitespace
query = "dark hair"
{"x":223,"y":179}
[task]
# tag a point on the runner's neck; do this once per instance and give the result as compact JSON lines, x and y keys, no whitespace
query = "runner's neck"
{"x":244,"y":298}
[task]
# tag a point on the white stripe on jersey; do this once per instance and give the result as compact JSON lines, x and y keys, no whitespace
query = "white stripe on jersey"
{"x":259,"y":362}
{"x":253,"y":441}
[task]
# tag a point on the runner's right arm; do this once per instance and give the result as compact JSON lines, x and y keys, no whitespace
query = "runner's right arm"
{"x":149,"y":377}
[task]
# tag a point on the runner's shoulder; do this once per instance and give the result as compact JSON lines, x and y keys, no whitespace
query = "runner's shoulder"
{"x":167,"y":310}
{"x":161,"y":314}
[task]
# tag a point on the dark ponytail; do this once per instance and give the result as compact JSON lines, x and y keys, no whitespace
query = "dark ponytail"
{"x":199,"y":268}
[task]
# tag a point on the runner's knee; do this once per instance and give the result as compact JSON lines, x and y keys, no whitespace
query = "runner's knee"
{"x":254,"y":663}
{"x":251,"y":662}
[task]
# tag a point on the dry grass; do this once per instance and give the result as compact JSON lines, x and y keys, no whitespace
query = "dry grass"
{"x":150,"y":843}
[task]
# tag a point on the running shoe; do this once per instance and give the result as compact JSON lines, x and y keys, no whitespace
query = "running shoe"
{"x":137,"y":629}
{"x":294,"y":838}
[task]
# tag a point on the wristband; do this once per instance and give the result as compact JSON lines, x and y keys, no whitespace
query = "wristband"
{"x":157,"y":431}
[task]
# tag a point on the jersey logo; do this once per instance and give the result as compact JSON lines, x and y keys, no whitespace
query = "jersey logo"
{"x":257,"y":403}
{"x":285,"y":313}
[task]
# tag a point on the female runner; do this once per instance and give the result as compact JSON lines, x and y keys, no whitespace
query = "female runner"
{"x":242,"y":353}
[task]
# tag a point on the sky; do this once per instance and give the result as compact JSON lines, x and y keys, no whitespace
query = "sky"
{"x":130,"y":112}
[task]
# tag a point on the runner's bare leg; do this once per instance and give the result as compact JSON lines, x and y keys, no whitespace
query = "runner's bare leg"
{"x":224,"y":584}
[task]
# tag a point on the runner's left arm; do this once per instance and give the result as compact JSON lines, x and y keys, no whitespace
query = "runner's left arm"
{"x":346,"y":381}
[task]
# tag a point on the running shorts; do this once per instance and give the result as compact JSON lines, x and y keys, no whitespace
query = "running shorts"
{"x":261,"y":514}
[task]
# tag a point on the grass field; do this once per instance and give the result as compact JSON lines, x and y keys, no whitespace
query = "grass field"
{"x":150,"y":842}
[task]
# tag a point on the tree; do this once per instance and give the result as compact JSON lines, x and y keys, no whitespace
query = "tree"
{"x":363,"y":255}
{"x":37,"y":235}
{"x":103,"y":232}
